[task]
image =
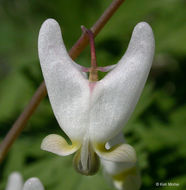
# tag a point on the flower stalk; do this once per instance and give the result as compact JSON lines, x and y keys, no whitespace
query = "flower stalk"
{"x":93,"y":72}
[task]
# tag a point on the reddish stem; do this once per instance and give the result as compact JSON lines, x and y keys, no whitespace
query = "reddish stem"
{"x":92,"y":46}
{"x":93,"y":77}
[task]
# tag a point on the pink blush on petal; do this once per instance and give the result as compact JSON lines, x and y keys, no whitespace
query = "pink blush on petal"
{"x":92,"y":85}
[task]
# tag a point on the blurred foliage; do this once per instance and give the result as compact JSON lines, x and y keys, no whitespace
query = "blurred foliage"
{"x":157,"y":127}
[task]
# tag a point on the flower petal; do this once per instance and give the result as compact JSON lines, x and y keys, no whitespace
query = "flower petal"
{"x":15,"y":181}
{"x":123,"y":175}
{"x":33,"y":184}
{"x":115,"y":96}
{"x":118,"y":153}
{"x":114,"y":168}
{"x":51,"y":45}
{"x":67,"y":88}
{"x":58,"y":145}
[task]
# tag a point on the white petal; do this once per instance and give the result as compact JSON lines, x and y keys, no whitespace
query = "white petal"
{"x":51,"y":45}
{"x":116,"y":95}
{"x":15,"y":181}
{"x":113,"y":168}
{"x":67,"y":88}
{"x":123,"y":175}
{"x":118,"y":153}
{"x":58,"y":145}
{"x":33,"y":184}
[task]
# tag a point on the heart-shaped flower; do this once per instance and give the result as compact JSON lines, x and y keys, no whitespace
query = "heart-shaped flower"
{"x":93,"y":112}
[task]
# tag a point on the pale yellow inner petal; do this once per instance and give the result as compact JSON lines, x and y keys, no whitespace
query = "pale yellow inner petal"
{"x":58,"y":145}
{"x":118,"y":153}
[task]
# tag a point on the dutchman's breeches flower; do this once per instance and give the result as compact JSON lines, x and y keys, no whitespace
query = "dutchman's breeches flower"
{"x":15,"y":182}
{"x":93,"y":112}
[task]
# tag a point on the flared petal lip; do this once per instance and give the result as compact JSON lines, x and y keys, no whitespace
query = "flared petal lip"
{"x":58,"y":145}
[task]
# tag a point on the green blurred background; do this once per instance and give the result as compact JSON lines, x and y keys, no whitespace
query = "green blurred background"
{"x":157,"y":129}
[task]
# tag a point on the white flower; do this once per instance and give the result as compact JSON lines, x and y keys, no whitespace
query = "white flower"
{"x":15,"y":182}
{"x":90,"y":112}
